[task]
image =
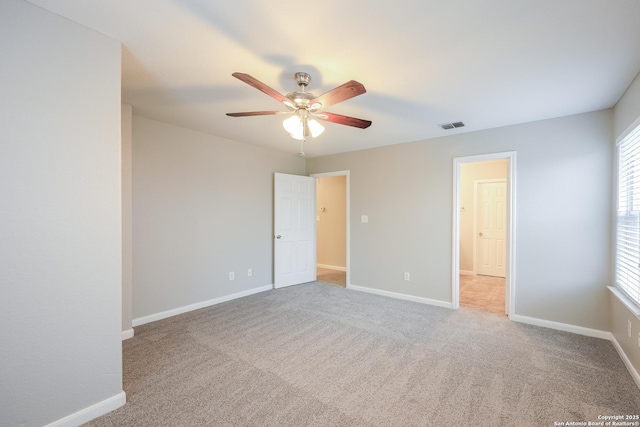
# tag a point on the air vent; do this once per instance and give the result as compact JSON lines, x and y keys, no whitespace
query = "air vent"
{"x":447,"y":126}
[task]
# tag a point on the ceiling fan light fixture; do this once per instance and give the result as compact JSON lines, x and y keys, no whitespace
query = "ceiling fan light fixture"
{"x":305,"y":106}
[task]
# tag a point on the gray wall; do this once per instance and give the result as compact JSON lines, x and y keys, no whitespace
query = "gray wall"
{"x":60,"y":256}
{"x":564,"y":178}
{"x":202,"y":207}
{"x":626,"y":112}
{"x":127,"y":225}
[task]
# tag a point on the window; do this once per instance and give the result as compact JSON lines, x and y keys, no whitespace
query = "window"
{"x":628,"y":216}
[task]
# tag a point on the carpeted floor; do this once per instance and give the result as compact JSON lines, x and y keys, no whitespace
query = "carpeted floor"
{"x":321,"y":355}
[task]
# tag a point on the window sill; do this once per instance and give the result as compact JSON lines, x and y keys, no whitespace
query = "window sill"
{"x":625,"y":300}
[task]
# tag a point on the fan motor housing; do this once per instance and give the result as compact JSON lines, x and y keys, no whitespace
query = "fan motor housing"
{"x":300,"y":99}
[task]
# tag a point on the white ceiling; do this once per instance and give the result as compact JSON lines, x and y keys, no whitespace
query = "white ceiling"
{"x":488,"y":63}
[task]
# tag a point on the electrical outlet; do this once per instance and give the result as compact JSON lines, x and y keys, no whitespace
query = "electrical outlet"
{"x":249,"y":272}
{"x":232,"y":276}
{"x":629,"y":328}
{"x":407,"y":276}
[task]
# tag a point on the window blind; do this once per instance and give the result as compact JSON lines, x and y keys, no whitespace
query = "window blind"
{"x":627,"y":257}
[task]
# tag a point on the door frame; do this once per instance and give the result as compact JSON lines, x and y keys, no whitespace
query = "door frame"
{"x":476,"y":183}
{"x":511,"y":227}
{"x":346,"y":174}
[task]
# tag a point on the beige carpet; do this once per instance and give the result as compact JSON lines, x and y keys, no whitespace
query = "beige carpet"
{"x":321,"y":355}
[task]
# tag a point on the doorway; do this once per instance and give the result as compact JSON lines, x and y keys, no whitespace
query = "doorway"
{"x":332,"y":227}
{"x":483,"y":287}
{"x":483,"y":275}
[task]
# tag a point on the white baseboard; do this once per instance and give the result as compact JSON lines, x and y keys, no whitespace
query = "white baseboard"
{"x":332,"y":267}
{"x":127,"y":334}
{"x":596,"y":333}
{"x":401,"y":296}
{"x":468,"y":273}
{"x":632,"y":370}
{"x":169,"y":313}
{"x":91,"y":412}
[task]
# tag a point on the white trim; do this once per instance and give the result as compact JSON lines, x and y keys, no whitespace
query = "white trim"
{"x":347,"y":174}
{"x":332,"y":267}
{"x":127,"y":334}
{"x":455,"y":238}
{"x":632,"y":370}
{"x":511,"y":236}
{"x":396,"y":295}
{"x":631,"y":306}
{"x":595,"y":333}
{"x":169,"y":313}
{"x":468,"y":273}
{"x":91,"y":412}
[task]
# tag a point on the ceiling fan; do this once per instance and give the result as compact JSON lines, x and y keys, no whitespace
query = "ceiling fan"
{"x":306,"y":107}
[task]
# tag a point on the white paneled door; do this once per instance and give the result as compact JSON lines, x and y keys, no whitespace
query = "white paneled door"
{"x":294,"y":230}
{"x":491,"y":228}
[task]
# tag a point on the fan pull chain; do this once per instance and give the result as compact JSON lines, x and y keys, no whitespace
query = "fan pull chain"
{"x":301,"y":153}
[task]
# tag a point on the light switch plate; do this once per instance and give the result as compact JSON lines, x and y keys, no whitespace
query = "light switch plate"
{"x":364,"y":218}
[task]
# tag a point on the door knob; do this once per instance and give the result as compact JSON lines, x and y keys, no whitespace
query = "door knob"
{"x":278,"y":236}
{"x":480,"y":234}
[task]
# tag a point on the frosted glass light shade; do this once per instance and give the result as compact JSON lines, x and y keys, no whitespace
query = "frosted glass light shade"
{"x":315,"y":128}
{"x":294,"y":126}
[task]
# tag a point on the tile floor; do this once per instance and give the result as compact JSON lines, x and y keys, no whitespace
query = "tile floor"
{"x":332,"y":276}
{"x":483,"y":293}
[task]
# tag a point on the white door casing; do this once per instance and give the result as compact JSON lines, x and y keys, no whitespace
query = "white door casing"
{"x":511,"y":269}
{"x":491,"y":232}
{"x":294,"y":245}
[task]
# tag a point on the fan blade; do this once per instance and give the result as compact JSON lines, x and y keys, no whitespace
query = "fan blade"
{"x":343,"y":120}
{"x":341,"y":93}
{"x":251,"y":81}
{"x":256,"y":113}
